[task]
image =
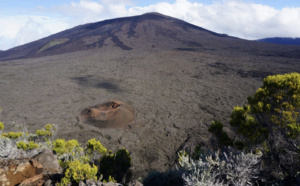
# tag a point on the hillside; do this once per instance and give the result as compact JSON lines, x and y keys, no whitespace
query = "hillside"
{"x":281,"y":40}
{"x":173,"y":77}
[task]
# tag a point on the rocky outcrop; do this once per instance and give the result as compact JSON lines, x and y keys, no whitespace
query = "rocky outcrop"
{"x":29,"y":171}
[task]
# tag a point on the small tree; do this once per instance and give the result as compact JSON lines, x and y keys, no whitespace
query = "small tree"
{"x":272,"y":119}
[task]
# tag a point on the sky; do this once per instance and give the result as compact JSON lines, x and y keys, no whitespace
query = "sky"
{"x":23,"y":21}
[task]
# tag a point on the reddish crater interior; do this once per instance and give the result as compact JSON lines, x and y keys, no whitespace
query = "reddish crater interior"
{"x":110,"y":114}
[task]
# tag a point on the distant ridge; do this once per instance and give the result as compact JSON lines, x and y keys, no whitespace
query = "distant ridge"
{"x":281,"y":40}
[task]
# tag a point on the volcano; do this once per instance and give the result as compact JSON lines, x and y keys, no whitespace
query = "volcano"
{"x":175,"y":77}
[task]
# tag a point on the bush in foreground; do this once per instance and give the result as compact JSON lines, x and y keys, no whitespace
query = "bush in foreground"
{"x":228,"y":167}
{"x":78,"y":162}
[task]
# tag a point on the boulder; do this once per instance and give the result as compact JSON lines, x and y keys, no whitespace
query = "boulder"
{"x":29,"y":171}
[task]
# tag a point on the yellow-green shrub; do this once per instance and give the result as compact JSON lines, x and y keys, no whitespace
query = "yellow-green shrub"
{"x":271,"y":122}
{"x":1,"y":126}
{"x":47,"y":131}
{"x":22,"y":145}
{"x":110,"y":179}
{"x":27,"y":146}
{"x":32,"y":145}
{"x":60,"y":146}
{"x":77,"y":171}
{"x":95,"y":145}
{"x":13,"y":135}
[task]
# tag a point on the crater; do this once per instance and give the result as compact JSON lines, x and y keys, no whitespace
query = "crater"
{"x":111,"y":114}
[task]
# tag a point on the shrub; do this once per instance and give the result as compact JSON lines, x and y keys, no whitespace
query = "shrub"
{"x":94,"y":145}
{"x":76,"y":161}
{"x":217,"y":129}
{"x":27,"y":146}
{"x":60,"y":146}
{"x":32,"y":145}
{"x":1,"y":126}
{"x":77,"y":171}
{"x":271,"y":121}
{"x":13,"y":135}
{"x":227,"y":168}
{"x":22,"y":145}
{"x":46,"y":132}
{"x":116,"y":165}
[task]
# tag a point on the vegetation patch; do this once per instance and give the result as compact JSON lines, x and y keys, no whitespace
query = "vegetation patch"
{"x":53,"y":43}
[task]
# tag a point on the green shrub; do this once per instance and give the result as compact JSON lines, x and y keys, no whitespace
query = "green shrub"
{"x":32,"y":145}
{"x":1,"y":126}
{"x":27,"y":146}
{"x":47,"y":131}
{"x":271,"y":122}
{"x":116,"y":165}
{"x":95,"y":145}
{"x":197,"y":152}
{"x":217,"y":129}
{"x":246,"y":125}
{"x":49,"y":127}
{"x":110,"y":179}
{"x":43,"y":132}
{"x":60,"y":146}
{"x":13,"y":135}
{"x":22,"y":145}
{"x":77,"y":171}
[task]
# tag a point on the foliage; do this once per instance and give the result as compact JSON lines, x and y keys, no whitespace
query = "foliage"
{"x":31,"y":145}
{"x":60,"y":146}
{"x":110,"y":179}
{"x":94,"y":145}
{"x":271,"y":119}
{"x":77,"y":171}
{"x":77,"y":161}
{"x":27,"y":146}
{"x":13,"y":135}
{"x":46,"y":132}
{"x":197,"y":152}
{"x":1,"y":126}
{"x":227,"y":168}
{"x":116,"y":165}
{"x":277,"y":103}
{"x":217,"y":129}
{"x":245,"y":124}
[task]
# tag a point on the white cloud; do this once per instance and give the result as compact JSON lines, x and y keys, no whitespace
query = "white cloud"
{"x":233,"y":17}
{"x":236,"y":18}
{"x":19,"y":30}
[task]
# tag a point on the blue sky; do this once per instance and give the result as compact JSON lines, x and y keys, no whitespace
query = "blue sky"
{"x":13,"y":4}
{"x":24,"y":21}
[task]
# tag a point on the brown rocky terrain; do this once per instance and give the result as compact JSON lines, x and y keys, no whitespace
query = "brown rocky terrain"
{"x":177,"y":78}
